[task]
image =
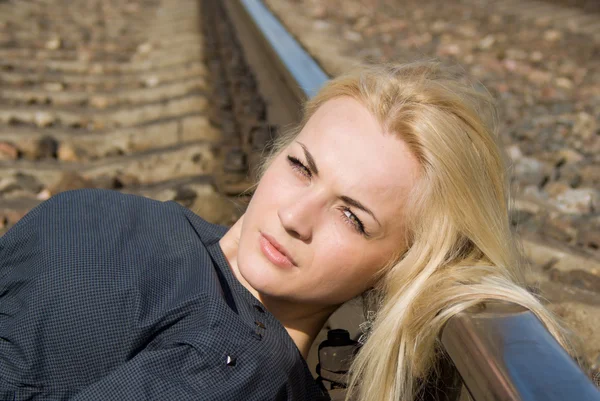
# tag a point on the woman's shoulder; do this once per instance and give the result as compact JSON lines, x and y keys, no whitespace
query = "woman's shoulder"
{"x":101,"y":225}
{"x":95,"y":202}
{"x":98,"y":209}
{"x":108,"y":242}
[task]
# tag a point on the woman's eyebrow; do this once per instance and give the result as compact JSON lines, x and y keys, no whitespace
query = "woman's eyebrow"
{"x":352,"y":202}
{"x":310,"y":160}
{"x":358,"y":205}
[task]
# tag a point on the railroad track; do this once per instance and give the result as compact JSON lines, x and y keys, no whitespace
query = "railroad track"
{"x":169,"y":100}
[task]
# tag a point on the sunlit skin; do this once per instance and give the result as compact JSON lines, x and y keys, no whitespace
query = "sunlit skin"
{"x":310,"y":207}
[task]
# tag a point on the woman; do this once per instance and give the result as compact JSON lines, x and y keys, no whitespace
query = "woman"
{"x":392,"y":185}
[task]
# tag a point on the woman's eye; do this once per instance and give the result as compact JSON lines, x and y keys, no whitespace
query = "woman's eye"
{"x":349,"y":217}
{"x":299,"y":166}
{"x":354,"y":221}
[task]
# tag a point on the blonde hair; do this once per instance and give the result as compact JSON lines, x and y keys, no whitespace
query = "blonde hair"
{"x":461,"y":250}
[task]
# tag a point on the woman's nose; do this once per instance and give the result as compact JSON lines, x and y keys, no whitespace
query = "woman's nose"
{"x":297,"y":217}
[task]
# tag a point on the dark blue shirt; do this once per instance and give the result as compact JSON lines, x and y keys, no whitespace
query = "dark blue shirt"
{"x":106,"y":296}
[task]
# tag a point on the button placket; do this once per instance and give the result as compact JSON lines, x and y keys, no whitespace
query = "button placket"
{"x":260,"y":327}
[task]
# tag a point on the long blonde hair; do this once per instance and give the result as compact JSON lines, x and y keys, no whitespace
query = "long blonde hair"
{"x":461,"y":250}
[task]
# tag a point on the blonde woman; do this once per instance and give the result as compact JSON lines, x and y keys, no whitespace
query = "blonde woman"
{"x":393,"y":183}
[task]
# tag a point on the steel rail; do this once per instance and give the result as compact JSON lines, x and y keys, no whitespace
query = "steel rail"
{"x":287,"y":75}
{"x":501,"y":351}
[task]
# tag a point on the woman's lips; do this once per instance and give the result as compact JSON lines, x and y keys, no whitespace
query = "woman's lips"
{"x":275,"y":252}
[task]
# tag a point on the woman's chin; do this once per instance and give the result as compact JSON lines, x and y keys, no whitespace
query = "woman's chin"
{"x":263,"y":277}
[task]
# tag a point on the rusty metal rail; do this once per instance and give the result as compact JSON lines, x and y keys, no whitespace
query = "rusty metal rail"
{"x":501,"y":351}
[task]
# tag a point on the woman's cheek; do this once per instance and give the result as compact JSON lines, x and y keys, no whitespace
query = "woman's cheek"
{"x":272,"y":189}
{"x":342,"y":235}
{"x":337,"y":244}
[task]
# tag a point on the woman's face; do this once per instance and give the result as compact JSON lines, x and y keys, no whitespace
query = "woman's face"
{"x":327,"y":214}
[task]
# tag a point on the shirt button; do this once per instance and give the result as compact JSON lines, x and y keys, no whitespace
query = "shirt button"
{"x":230,"y":361}
{"x":260,"y":324}
{"x":259,"y":308}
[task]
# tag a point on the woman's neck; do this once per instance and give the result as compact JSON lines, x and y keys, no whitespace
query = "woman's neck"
{"x":302,"y":322}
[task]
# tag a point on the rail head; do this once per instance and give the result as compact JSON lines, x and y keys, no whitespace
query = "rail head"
{"x":503,"y":352}
{"x":305,"y":75}
{"x":286,"y":73}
